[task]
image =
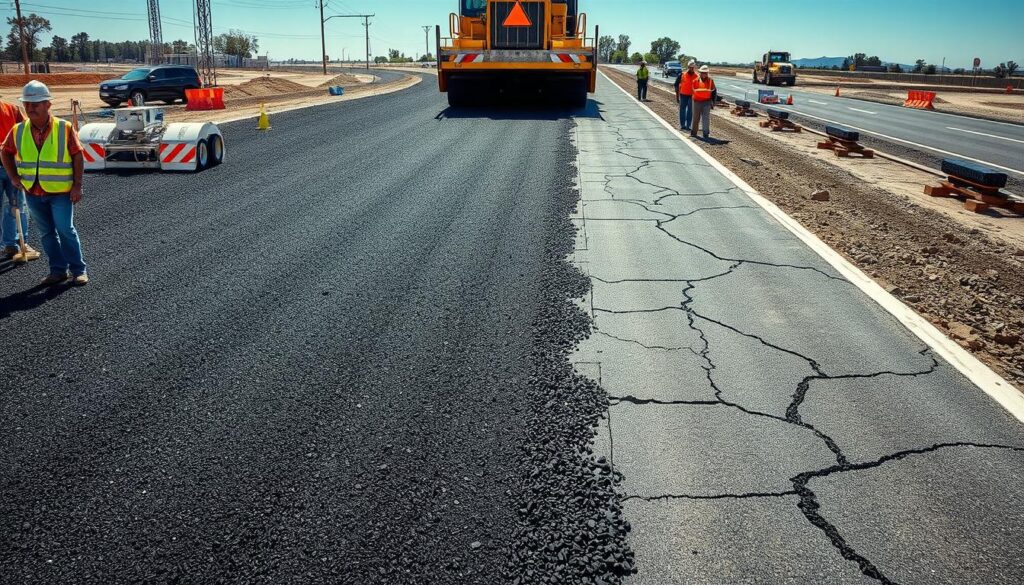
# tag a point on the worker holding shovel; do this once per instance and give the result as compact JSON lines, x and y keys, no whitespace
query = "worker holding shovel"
{"x":13,"y":209}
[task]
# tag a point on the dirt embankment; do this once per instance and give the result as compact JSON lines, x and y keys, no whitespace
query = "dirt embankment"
{"x":969,"y":285}
{"x":55,"y":79}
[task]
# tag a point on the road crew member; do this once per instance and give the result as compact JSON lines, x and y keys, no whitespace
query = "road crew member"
{"x":44,"y":155}
{"x":684,"y":94}
{"x":11,"y":198}
{"x":704,"y":94}
{"x":643,"y":75}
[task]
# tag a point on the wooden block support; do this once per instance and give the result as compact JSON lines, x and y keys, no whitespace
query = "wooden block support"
{"x":977,"y":198}
{"x":844,"y":148}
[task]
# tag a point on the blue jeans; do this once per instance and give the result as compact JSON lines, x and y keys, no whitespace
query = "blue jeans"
{"x":55,"y":218}
{"x":8,"y":227}
{"x":685,"y":111}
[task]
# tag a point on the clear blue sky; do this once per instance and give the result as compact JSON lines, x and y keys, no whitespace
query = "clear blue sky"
{"x":740,"y":30}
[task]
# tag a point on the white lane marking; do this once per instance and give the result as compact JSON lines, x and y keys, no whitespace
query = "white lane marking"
{"x":984,"y":134}
{"x":864,"y":111}
{"x":978,"y":373}
{"x":931,"y":148}
{"x":819,"y":103}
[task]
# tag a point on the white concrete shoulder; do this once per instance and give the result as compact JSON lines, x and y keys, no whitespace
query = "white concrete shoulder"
{"x":978,"y":373}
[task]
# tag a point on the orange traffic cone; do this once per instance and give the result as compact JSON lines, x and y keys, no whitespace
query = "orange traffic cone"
{"x":789,"y":102}
{"x":837,"y":91}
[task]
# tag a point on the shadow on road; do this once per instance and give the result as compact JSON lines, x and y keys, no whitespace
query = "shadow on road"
{"x":32,"y":298}
{"x":534,"y":111}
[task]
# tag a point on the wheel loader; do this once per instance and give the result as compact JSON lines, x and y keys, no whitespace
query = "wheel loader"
{"x":515,"y":51}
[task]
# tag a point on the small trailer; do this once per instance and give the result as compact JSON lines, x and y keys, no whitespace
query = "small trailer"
{"x":139,"y":138}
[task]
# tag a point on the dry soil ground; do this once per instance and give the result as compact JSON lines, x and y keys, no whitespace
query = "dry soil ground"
{"x":963,"y":272}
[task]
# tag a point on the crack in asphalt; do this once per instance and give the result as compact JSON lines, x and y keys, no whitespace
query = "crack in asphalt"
{"x":643,"y":345}
{"x":744,"y":496}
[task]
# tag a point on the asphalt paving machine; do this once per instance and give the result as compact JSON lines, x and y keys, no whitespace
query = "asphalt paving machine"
{"x":517,"y":50}
{"x":139,"y":138}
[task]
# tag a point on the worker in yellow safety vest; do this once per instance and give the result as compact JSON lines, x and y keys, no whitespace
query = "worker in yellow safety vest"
{"x":704,"y":94}
{"x":642,"y":76}
{"x":43,"y":157}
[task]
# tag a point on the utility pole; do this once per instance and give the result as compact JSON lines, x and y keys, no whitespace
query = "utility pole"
{"x":156,"y":35}
{"x":426,"y":41}
{"x":204,"y":43}
{"x":323,"y":38}
{"x":366,"y":22}
{"x":24,"y":41}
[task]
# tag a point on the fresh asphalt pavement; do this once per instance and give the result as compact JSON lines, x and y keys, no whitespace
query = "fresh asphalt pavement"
{"x":335,"y":358}
{"x":772,"y":423}
{"x":311,"y":364}
{"x":993,"y":143}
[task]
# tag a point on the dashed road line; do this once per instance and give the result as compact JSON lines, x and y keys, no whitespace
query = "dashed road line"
{"x":864,"y":111}
{"x":984,"y":134}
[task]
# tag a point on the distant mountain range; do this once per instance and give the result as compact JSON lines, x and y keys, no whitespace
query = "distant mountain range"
{"x":829,"y":62}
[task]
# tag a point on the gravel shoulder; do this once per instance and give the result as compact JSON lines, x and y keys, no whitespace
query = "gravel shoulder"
{"x":967,"y":281}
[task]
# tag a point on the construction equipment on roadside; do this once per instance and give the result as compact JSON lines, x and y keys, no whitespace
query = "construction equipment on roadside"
{"x":520,"y":49}
{"x":979,"y":186}
{"x":775,"y":68}
{"x":140,"y":139}
{"x":920,"y":100}
{"x":743,"y":109}
{"x":264,"y":121}
{"x":767,"y":96}
{"x":778,"y":120}
{"x":844,"y":142}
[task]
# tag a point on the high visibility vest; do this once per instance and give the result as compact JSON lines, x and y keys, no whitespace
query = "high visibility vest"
{"x":643,"y":73}
{"x":686,"y":83}
{"x":702,"y":89}
{"x":50,"y":165}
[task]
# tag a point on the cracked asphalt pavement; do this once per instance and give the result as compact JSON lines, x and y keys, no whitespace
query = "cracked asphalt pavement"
{"x":340,"y":357}
{"x":772,"y":424}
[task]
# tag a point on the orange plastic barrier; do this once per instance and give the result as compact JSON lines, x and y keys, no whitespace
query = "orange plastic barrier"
{"x":921,"y":100}
{"x":205,"y":99}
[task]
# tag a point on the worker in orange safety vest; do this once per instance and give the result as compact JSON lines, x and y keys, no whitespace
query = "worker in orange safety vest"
{"x":704,"y":94}
{"x":684,"y":94}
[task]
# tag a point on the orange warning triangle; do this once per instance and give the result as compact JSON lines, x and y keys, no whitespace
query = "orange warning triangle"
{"x":517,"y":17}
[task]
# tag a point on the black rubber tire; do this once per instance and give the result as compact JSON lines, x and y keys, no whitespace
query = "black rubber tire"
{"x":202,"y":155}
{"x":456,"y":96}
{"x":137,"y":98}
{"x":767,"y":78}
{"x":216,"y":150}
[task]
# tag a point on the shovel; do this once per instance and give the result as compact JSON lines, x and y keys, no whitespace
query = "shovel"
{"x":21,"y":257}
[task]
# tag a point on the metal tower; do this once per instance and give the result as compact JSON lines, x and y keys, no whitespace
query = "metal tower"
{"x":156,"y":35}
{"x":207,"y":66}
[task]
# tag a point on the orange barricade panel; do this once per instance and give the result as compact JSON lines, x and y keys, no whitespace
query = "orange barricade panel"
{"x":205,"y":99}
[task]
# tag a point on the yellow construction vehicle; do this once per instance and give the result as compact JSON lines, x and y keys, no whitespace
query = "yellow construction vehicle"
{"x":517,"y":49}
{"x":775,"y":69}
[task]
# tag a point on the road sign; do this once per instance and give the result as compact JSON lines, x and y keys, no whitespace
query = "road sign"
{"x":977,"y":62}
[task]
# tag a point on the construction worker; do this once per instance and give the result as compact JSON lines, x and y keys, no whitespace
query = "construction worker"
{"x":642,"y":76}
{"x":684,"y":94}
{"x":704,"y":94}
{"x":11,"y":198}
{"x":43,"y":157}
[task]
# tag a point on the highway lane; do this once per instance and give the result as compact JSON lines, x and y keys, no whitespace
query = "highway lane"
{"x":996,"y":144}
{"x":773,"y":424}
{"x":328,"y":360}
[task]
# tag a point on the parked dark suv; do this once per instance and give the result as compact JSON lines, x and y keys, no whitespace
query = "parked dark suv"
{"x":162,"y":82}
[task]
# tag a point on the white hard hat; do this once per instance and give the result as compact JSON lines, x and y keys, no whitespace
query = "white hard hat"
{"x":35,"y":92}
{"x":692,"y":63}
{"x":704,"y":69}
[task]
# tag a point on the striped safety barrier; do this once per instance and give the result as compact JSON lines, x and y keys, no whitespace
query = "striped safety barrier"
{"x":921,"y":100}
{"x":180,"y":153}
{"x":93,"y":152}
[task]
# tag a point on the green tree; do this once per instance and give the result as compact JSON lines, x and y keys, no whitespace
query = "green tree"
{"x":426,"y":58}
{"x":636,"y":58}
{"x":181,"y":47}
{"x":35,"y":25}
{"x":623,"y":44}
{"x":236,"y":43}
{"x":930,"y":70}
{"x":81,"y":48}
{"x":652,"y":59}
{"x":380,"y":59}
{"x":895,"y":68}
{"x":665,"y":48}
{"x":919,"y":66}
{"x":59,"y":49}
{"x":1011,"y":68}
{"x":605,"y":48}
{"x":619,"y":57}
